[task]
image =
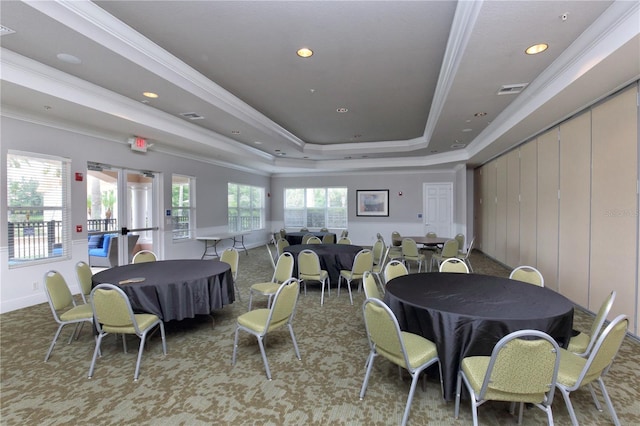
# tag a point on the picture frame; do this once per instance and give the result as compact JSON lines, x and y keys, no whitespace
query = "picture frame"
{"x":372,"y":202}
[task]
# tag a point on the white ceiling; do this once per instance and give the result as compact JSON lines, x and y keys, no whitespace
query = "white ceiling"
{"x":412,"y":74}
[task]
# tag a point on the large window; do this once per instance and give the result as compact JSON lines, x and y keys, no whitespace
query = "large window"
{"x":38,"y":199}
{"x":315,"y":208}
{"x":246,"y":207}
{"x":183,"y":206}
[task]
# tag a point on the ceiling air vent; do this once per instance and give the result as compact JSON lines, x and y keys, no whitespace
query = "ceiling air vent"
{"x":192,"y":115}
{"x":4,"y":30}
{"x":512,"y":89}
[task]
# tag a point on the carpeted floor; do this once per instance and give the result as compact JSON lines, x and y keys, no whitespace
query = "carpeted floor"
{"x":195,"y":383}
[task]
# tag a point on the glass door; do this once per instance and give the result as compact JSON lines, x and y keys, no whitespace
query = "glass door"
{"x":121,"y":217}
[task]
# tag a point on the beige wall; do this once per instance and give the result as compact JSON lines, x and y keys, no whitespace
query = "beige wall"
{"x":570,"y":206}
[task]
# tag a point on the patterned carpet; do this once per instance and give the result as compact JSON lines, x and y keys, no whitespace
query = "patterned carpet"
{"x":195,"y":383}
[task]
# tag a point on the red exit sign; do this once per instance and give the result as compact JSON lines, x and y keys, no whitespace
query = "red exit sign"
{"x":138,"y":144}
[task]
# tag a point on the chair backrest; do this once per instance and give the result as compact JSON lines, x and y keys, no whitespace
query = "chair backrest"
{"x":328,"y":239}
{"x":450,"y":248}
{"x":230,"y":255}
{"x":468,"y":252}
{"x":304,"y":229}
{"x":599,"y":320}
{"x":453,"y":264}
{"x":284,"y":268}
{"x":524,"y":362}
{"x":273,"y":262}
{"x":284,"y":304}
{"x":344,"y":233}
{"x":363,"y":262}
{"x":370,"y":286}
{"x":432,"y":235}
{"x":396,"y":239}
{"x":383,"y":331}
{"x":460,"y":239}
{"x":409,"y":247}
{"x":144,"y":256}
{"x":281,"y":244}
{"x":305,"y":238}
{"x":111,"y":308}
{"x":58,"y":293}
{"x":324,"y":230}
{"x":379,"y":249}
{"x":527,"y":274}
{"x":344,"y":240}
{"x":308,"y":263}
{"x":283,"y":233}
{"x":394,"y":269}
{"x":604,"y":350}
{"x":84,"y":274}
{"x":314,"y":240}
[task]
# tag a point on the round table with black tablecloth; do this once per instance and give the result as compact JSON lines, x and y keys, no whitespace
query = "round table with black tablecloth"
{"x":173,"y":289}
{"x":333,"y":257}
{"x":466,"y":314}
{"x":295,"y":238}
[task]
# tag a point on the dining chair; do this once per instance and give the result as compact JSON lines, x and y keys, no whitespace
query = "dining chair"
{"x":407,"y":350}
{"x":282,"y":272}
{"x":306,"y":237}
{"x":63,"y":307}
{"x":466,"y":255}
{"x":576,"y":371}
{"x":281,"y":245}
{"x":231,"y":256}
{"x":344,"y":233}
{"x":261,"y":321}
{"x":453,"y":264}
{"x":394,"y":269}
{"x":460,"y":239}
{"x":304,"y":229}
{"x":450,"y":249}
{"x":84,"y":274}
{"x":379,"y":258}
{"x":328,"y":239}
{"x":144,"y":256}
{"x":410,"y":253}
{"x":113,"y":314}
{"x":271,"y":259}
{"x":362,"y":262}
{"x":314,"y":240}
{"x":370,"y":286}
{"x":523,"y":368}
{"x":309,"y":270}
{"x":344,"y":240}
{"x":582,"y":343}
{"x":527,"y":274}
{"x":324,"y":230}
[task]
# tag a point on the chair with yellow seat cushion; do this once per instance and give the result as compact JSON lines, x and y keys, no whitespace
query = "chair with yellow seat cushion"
{"x":113,"y":314}
{"x":231,"y":257}
{"x":144,"y":256}
{"x":370,"y":286}
{"x":344,"y":240}
{"x":450,"y":249}
{"x":407,"y":350}
{"x":314,"y":240}
{"x":394,"y":269}
{"x":329,"y":239}
{"x":467,"y":255}
{"x":362,"y":262}
{"x":283,"y":271}
{"x":63,"y":307}
{"x":582,"y":343}
{"x":453,"y":264}
{"x":261,"y":321}
{"x":309,"y":270}
{"x":576,"y":371}
{"x":527,"y":274}
{"x":281,"y":244}
{"x":306,"y":237}
{"x":379,"y":250}
{"x":523,"y":368}
{"x":410,"y":253}
{"x":84,"y":274}
{"x":395,"y":248}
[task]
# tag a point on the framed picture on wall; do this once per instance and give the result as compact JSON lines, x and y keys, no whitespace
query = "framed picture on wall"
{"x":372,"y":202}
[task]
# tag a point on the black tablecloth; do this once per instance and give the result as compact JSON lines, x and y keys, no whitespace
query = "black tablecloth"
{"x":295,"y":238}
{"x":333,"y":257}
{"x":466,"y":314}
{"x":174,"y":289}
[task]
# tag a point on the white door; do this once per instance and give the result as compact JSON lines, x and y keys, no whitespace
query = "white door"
{"x":438,"y":209}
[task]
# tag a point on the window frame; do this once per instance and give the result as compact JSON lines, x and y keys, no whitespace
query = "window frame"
{"x":177,"y":233}
{"x":303,"y":211}
{"x":254,"y":191}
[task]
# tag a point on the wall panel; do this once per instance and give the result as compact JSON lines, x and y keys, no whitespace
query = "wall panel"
{"x":547,"y":229}
{"x":513,"y":208}
{"x":528,"y":203}
{"x":575,"y":191}
{"x":501,"y":210}
{"x":489,"y":203}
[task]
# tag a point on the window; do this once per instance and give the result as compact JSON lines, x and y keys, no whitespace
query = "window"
{"x":246,"y":207}
{"x":38,"y":199}
{"x":315,"y":208}
{"x":183,"y":206}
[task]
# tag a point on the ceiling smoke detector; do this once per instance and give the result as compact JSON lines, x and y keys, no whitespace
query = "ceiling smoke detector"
{"x":512,"y":89}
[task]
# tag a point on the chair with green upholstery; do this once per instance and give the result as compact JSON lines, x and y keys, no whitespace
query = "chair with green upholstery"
{"x":407,"y":350}
{"x":84,"y":274}
{"x":324,"y":229}
{"x":63,"y":307}
{"x":576,"y":371}
{"x":260,"y":321}
{"x":362,"y":262}
{"x":283,"y":271}
{"x":466,"y":255}
{"x":410,"y":253}
{"x":271,"y":258}
{"x":582,"y":343}
{"x":306,"y":237}
{"x":394,"y":269}
{"x":453,"y":264}
{"x":113,"y":314}
{"x":370,"y":286}
{"x":281,"y":244}
{"x":527,"y":274}
{"x":309,"y":270}
{"x":395,"y":248}
{"x":460,"y":239}
{"x":450,"y":249}
{"x":379,"y":250}
{"x":314,"y":240}
{"x":523,"y":368}
{"x":329,"y":239}
{"x":304,"y":229}
{"x":231,"y":256}
{"x":344,"y":240}
{"x":144,"y":256}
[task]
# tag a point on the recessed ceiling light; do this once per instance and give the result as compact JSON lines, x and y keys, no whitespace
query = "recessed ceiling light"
{"x":467,"y":130}
{"x":536,"y":48}
{"x":258,"y":143}
{"x":235,"y":132}
{"x":70,"y":59}
{"x":479,"y":114}
{"x":150,"y":95}
{"x":342,"y":110}
{"x":304,"y":52}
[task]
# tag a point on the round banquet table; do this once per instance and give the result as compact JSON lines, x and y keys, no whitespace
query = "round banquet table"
{"x":173,"y":289}
{"x":333,"y":257}
{"x":467,"y":314}
{"x":295,"y":238}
